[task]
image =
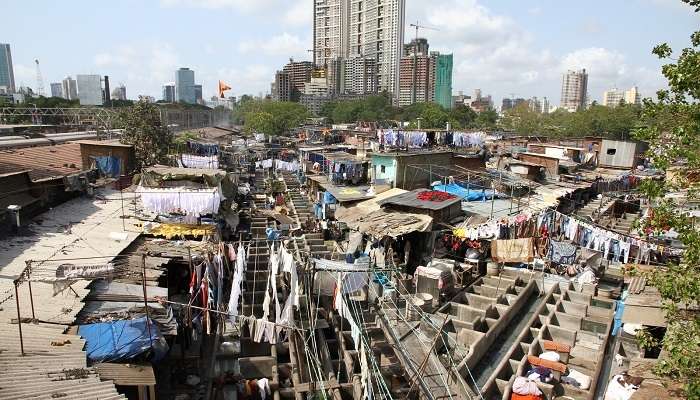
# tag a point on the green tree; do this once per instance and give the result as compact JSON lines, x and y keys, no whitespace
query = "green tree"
{"x":486,"y":119}
{"x":463,"y":116}
{"x":143,"y":129}
{"x":271,"y":117}
{"x":672,"y":128}
{"x":523,"y":120}
{"x":259,"y":121}
{"x":370,"y":108}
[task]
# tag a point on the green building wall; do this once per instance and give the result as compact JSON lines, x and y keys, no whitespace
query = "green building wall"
{"x":443,"y":80}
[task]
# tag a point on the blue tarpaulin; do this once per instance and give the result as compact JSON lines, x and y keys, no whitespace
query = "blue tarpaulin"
{"x":328,"y":198}
{"x":109,"y":166}
{"x":464,"y":193}
{"x":122,"y":340}
{"x":617,"y":321}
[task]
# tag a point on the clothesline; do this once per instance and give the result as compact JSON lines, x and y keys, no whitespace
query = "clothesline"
{"x":241,"y":317}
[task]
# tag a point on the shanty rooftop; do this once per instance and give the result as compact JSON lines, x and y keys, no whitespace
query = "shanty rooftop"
{"x":43,"y":162}
{"x":347,"y":193}
{"x":95,"y":235}
{"x":410,"y":199}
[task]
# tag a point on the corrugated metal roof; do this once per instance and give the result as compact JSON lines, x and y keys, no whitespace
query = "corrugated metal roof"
{"x":127,"y":374}
{"x":54,"y":364}
{"x":410,"y":199}
{"x":43,"y":162}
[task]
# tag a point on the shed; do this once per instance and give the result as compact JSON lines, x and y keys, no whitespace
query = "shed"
{"x":91,"y":149}
{"x":469,"y":161}
{"x":621,"y":153}
{"x":395,"y":168}
{"x":550,"y":163}
{"x":561,"y":152}
{"x":441,"y":210}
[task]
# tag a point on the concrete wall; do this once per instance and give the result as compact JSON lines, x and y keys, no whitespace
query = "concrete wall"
{"x":417,"y":178}
{"x":550,"y":164}
{"x":388,"y":172}
{"x":471,"y":163}
{"x":618,"y":153}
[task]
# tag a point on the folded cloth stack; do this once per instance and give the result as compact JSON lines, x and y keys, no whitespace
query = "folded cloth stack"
{"x":523,"y":388}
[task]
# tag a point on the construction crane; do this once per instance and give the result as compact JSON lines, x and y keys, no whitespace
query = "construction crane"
{"x":417,"y":25}
{"x":39,"y":79}
{"x":414,"y":89}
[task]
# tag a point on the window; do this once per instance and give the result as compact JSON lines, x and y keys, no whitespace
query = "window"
{"x":611,"y":152}
{"x":382,"y":169}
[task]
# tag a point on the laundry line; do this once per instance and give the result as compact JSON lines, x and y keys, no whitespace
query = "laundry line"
{"x":242,"y":317}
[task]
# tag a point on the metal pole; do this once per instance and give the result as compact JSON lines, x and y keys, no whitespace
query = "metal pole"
{"x":31,"y":297}
{"x":493,"y":198}
{"x":121,"y":194}
{"x":189,"y":310}
{"x":430,"y":170}
{"x":145,"y":299}
{"x":511,"y":199}
{"x":404,"y":176}
{"x":19,"y":321}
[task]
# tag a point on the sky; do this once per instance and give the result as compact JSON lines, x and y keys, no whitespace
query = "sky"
{"x":506,"y":48}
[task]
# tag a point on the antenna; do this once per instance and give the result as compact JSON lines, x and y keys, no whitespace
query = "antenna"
{"x":39,"y":80}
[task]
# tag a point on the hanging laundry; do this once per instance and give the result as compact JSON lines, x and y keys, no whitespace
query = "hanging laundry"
{"x":190,"y":201}
{"x":194,"y":161}
{"x":202,"y":149}
{"x":562,"y":252}
{"x":108,"y":166}
{"x":513,"y":250}
{"x":240,"y":268}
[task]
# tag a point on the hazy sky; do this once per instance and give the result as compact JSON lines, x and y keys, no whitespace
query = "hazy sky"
{"x":504,"y":47}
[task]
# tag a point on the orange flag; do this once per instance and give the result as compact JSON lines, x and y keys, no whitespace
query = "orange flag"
{"x":222,"y":88}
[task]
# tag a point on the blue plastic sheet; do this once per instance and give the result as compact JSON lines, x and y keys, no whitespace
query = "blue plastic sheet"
{"x":109,"y":166}
{"x":122,"y":340}
{"x":464,"y":193}
{"x":328,"y":198}
{"x":617,"y":321}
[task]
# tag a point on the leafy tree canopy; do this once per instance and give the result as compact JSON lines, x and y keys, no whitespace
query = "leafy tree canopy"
{"x":672,"y":128}
{"x":270,"y":117}
{"x":143,"y":129}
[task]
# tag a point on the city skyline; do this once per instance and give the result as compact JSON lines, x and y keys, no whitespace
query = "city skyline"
{"x":502,"y":47}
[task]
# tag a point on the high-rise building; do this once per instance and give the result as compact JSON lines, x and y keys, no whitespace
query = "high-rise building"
{"x":361,"y":28}
{"x":545,"y":105}
{"x":443,"y":79}
{"x":511,"y":103}
{"x":56,"y":89}
{"x":574,"y":87}
{"x":69,"y":88}
{"x":416,"y":79}
{"x":461,"y":99}
{"x":316,"y":92}
{"x":281,"y":87}
{"x":106,"y":94}
{"x":184,"y":86}
{"x":614,"y":96}
{"x":198,"y":94}
{"x":89,"y":89}
{"x":359,"y":75}
{"x":480,"y":103}
{"x":119,"y":93}
{"x":289,"y":83}
{"x":169,"y":92}
{"x":419,"y":46}
{"x":632,"y":96}
{"x":7,"y":74}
